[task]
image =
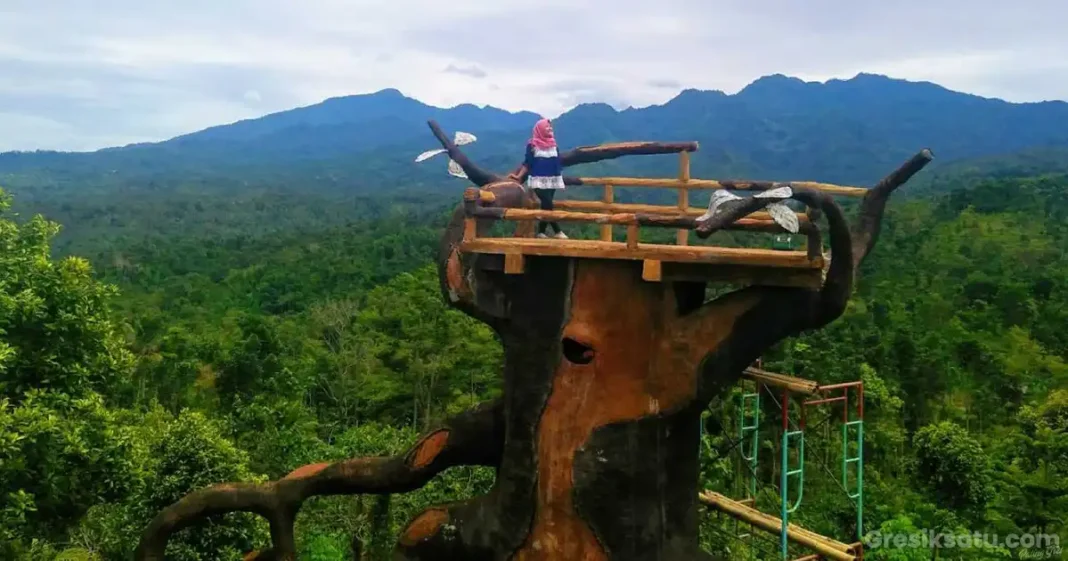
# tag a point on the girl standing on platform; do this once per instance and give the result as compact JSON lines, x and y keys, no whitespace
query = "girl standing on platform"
{"x":545,"y":173}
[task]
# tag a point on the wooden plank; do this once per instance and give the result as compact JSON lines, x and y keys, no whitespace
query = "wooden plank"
{"x":675,"y":221}
{"x":513,"y":263}
{"x":599,"y":206}
{"x":684,"y":166}
{"x":741,"y":185}
{"x":712,"y":255}
{"x":632,"y":235}
{"x":622,"y":218}
{"x":609,"y":198}
{"x":823,"y":545}
{"x":743,"y":275}
{"x":651,"y":269}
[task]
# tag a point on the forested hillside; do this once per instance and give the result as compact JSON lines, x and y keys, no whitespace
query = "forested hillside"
{"x":176,"y":362}
{"x":241,"y":301}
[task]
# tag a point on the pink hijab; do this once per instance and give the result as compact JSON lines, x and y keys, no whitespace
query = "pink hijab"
{"x":542,"y":139}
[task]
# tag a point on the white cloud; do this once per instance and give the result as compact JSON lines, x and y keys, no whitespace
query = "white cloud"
{"x":79,"y":75}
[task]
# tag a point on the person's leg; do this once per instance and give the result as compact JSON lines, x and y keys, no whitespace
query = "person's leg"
{"x":547,"y":204}
{"x":546,"y":198}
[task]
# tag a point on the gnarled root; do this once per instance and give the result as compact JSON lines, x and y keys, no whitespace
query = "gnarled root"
{"x":472,"y":438}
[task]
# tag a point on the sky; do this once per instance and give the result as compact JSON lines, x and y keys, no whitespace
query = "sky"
{"x":86,"y":74}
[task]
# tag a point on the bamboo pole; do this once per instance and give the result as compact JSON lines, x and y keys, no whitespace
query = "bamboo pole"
{"x":624,"y":219}
{"x":782,"y":381}
{"x":740,"y":185}
{"x":609,"y":198}
{"x":820,"y":544}
{"x":682,"y":237}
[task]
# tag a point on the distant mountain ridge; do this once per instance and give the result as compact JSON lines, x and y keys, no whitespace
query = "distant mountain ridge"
{"x":777,"y":127}
{"x":369,"y":110}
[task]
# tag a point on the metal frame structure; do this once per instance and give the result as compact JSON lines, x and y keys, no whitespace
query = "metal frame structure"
{"x":791,"y":476}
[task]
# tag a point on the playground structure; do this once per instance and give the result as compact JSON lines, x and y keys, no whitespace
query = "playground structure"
{"x":611,"y":353}
{"x":806,"y":394}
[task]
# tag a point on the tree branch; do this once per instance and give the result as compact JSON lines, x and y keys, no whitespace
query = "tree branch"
{"x":590,"y":154}
{"x":838,"y":284}
{"x":869,"y":220}
{"x":477,"y":175}
{"x":472,"y":438}
{"x":601,"y":152}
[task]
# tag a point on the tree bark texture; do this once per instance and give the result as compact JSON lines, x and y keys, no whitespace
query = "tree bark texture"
{"x":595,"y":438}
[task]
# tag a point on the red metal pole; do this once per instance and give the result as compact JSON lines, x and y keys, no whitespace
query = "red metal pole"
{"x":845,"y":405}
{"x":860,"y":401}
{"x":785,"y":410}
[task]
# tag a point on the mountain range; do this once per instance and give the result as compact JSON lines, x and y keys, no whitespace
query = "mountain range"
{"x":845,"y":131}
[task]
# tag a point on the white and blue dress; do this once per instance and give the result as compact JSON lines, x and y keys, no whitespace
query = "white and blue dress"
{"x":545,"y":177}
{"x":544,"y":170}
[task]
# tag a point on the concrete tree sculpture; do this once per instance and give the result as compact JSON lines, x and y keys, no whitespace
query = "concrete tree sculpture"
{"x":595,"y":438}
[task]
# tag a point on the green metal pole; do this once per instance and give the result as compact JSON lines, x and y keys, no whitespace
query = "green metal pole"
{"x":859,"y":460}
{"x":860,"y":480}
{"x":783,"y":490}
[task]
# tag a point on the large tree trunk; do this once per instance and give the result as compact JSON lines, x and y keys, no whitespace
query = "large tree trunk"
{"x":595,"y":439}
{"x":600,"y":409}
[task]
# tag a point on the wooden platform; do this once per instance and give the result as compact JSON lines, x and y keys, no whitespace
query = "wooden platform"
{"x":660,"y":262}
{"x":665,"y":262}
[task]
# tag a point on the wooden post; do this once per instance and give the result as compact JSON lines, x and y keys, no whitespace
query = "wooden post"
{"x":632,"y":236}
{"x":682,"y":237}
{"x":606,"y":229}
{"x":513,"y":263}
{"x":470,"y":228}
{"x":651,"y":270}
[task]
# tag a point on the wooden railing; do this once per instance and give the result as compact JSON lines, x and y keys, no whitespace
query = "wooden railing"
{"x":480,"y":205}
